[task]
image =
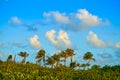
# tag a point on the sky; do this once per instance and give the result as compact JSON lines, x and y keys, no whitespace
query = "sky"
{"x":54,"y":25}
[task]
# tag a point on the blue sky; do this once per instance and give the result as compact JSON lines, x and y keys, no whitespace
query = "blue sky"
{"x":54,"y":25}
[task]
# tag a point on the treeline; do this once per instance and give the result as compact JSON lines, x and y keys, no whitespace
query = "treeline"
{"x":56,"y":60}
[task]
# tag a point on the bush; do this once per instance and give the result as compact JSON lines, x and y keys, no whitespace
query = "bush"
{"x":35,"y":72}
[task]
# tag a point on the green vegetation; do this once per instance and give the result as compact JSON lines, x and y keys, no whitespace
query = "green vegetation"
{"x":53,"y":69}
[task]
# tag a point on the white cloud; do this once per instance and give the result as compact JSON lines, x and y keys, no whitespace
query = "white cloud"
{"x":63,"y":36}
{"x":87,"y":18}
{"x":15,"y":20}
{"x":34,"y":42}
{"x":93,"y":39}
{"x":61,"y":41}
{"x":79,"y":21}
{"x":116,"y":45}
{"x":59,"y":17}
{"x":51,"y":36}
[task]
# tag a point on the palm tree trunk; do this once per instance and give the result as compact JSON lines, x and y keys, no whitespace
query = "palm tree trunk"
{"x":7,"y":65}
{"x":71,"y":59}
{"x":58,"y":63}
{"x":15,"y":58}
{"x":88,"y":63}
{"x":84,"y":67}
{"x":24,"y":60}
{"x":44,"y":61}
{"x":52,"y":65}
{"x":65,"y":62}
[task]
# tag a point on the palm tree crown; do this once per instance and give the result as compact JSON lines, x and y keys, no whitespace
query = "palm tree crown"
{"x":9,"y":58}
{"x":56,"y":58}
{"x":24,"y":55}
{"x":64,"y":55}
{"x":88,"y":56}
{"x":70,"y":53}
{"x":50,"y":61}
{"x":40,"y":56}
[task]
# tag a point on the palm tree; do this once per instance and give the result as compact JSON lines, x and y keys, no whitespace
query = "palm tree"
{"x":70,"y":53}
{"x":96,"y":67}
{"x":14,"y":58}
{"x":56,"y":58}
{"x":73,"y":65}
{"x":9,"y":60}
{"x":87,"y":65}
{"x":84,"y":66}
{"x":1,"y":61}
{"x":40,"y":56}
{"x":78,"y":65}
{"x":24,"y":55}
{"x":88,"y":56}
{"x":64,"y":55}
{"x":50,"y":61}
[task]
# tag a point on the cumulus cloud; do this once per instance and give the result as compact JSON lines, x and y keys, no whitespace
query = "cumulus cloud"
{"x":59,"y":17}
{"x":94,"y":40}
{"x":34,"y":42}
{"x":79,"y":21}
{"x":61,"y":41}
{"x":87,"y":18}
{"x":15,"y":20}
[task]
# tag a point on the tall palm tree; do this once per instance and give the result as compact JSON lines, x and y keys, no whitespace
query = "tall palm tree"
{"x":14,"y":58}
{"x":78,"y":65}
{"x":9,"y":60}
{"x":88,"y":56}
{"x":50,"y":61}
{"x":40,"y":56}
{"x":56,"y":58}
{"x":70,"y":53}
{"x":24,"y":55}
{"x":73,"y":65}
{"x":84,"y":66}
{"x":64,"y":55}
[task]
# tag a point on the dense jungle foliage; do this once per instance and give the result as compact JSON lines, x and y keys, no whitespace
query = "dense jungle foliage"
{"x":53,"y":69}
